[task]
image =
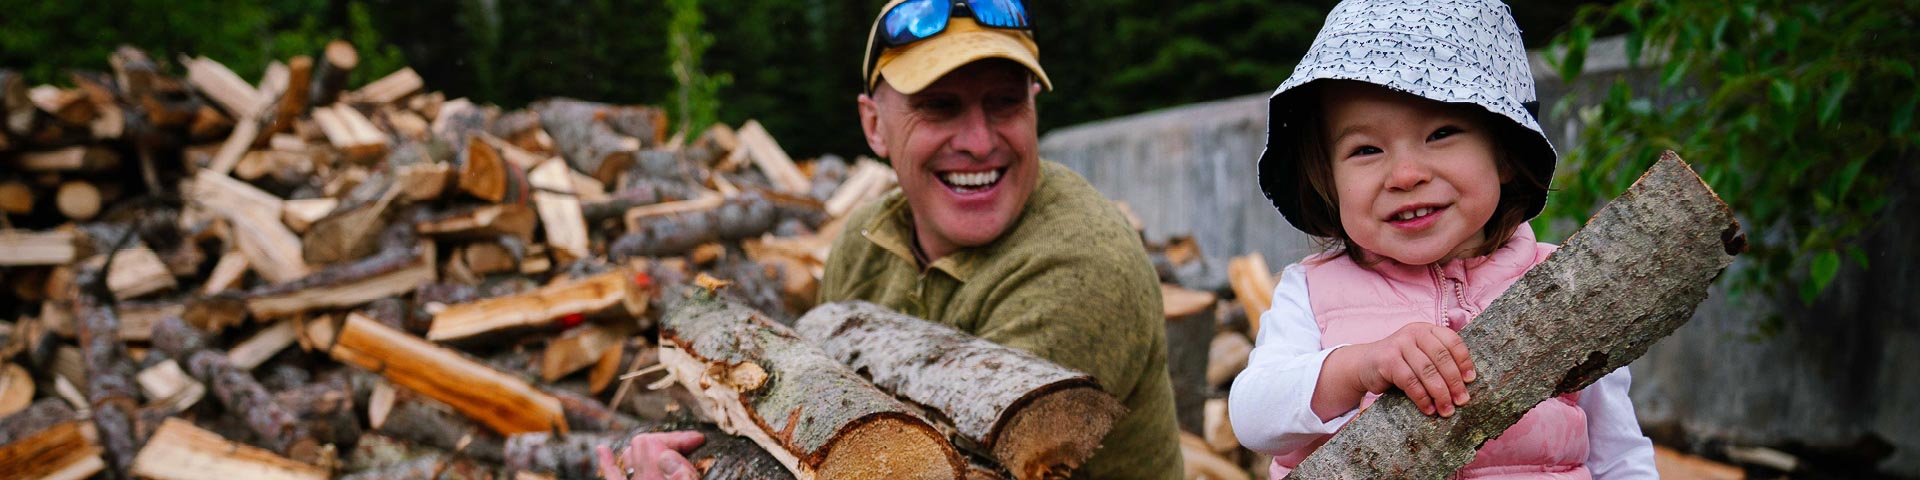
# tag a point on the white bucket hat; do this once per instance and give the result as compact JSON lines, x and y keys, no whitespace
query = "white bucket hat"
{"x":1452,"y":51}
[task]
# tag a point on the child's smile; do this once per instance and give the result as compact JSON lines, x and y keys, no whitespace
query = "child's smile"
{"x":1417,"y":180}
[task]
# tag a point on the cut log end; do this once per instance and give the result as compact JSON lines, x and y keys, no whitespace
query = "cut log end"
{"x":1032,"y":443}
{"x":888,"y":447}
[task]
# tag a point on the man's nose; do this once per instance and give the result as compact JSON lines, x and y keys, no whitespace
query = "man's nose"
{"x":1408,"y":172}
{"x":974,"y":133}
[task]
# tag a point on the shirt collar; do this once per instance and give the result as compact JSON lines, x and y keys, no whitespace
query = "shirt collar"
{"x":892,"y":229}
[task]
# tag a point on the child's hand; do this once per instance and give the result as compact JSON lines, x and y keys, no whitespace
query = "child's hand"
{"x":1427,"y":361}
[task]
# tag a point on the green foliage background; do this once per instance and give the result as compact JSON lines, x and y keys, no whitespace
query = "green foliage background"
{"x":1795,"y":112}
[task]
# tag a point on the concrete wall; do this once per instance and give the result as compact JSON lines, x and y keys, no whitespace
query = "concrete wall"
{"x":1838,"y":385}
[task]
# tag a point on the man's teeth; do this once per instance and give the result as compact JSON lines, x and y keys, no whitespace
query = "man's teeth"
{"x":1415,"y":213}
{"x":976,"y":179}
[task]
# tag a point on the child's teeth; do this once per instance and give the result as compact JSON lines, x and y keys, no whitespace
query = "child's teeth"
{"x":1423,"y":211}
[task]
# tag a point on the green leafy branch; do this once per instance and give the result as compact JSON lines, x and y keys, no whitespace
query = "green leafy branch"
{"x":1793,"y":111}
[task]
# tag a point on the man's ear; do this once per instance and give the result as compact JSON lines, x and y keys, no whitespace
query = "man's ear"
{"x":870,"y":125}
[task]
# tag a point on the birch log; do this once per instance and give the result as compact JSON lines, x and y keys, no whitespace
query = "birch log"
{"x":1037,"y":418}
{"x":1629,"y":278}
{"x":760,"y":380}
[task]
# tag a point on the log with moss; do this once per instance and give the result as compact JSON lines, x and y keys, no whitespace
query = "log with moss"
{"x":1632,"y":276}
{"x":1037,"y":418}
{"x":761,"y":380}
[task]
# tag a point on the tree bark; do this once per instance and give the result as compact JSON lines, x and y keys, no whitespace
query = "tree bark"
{"x":1629,"y":278}
{"x":410,"y":416}
{"x":762,"y":380}
{"x":111,"y":392}
{"x":236,"y":389}
{"x":330,"y":76}
{"x":380,"y":276}
{"x":39,"y":416}
{"x":586,"y":138}
{"x":744,"y":216}
{"x":613,"y":296}
{"x":1034,"y":416}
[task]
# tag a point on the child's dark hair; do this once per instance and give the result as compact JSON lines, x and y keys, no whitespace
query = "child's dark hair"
{"x":1319,"y":205}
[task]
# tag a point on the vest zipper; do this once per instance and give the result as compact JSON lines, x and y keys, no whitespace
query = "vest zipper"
{"x":1439,"y":297}
{"x":1447,"y":287}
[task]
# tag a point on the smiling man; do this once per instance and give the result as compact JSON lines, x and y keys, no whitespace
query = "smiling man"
{"x":985,"y":236}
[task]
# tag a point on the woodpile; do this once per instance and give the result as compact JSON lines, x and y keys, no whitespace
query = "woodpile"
{"x":208,"y":276}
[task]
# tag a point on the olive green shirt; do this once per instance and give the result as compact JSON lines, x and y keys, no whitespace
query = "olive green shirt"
{"x":1068,"y":281}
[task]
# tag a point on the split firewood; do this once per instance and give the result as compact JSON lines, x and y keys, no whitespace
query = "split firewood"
{"x":223,"y":86}
{"x":820,"y":419}
{"x":1200,"y":462}
{"x":182,"y":451}
{"x":1190,"y":328}
{"x":503,"y":402}
{"x":1253,"y":285}
{"x":584,"y":414}
{"x":1219,"y":428}
{"x":632,"y":353}
{"x":580,"y":348}
{"x":389,"y":89}
{"x":58,"y":247}
{"x":136,"y":272}
{"x":418,"y":170}
{"x":237,"y":390}
{"x":78,"y":200}
{"x":744,"y":216}
{"x":16,"y":197}
{"x":353,"y":230}
{"x":869,"y":179}
{"x":483,"y":174}
{"x":497,"y":257}
{"x":227,"y":273}
{"x":391,"y":273}
{"x":1226,"y":357}
{"x":482,"y":222}
{"x":559,"y":211}
{"x":381,"y":457}
{"x":330,"y":76}
{"x":168,"y":384}
{"x":1035,"y":417}
{"x":772,"y":160}
{"x":615,"y":296}
{"x":1555,"y":331}
{"x":294,"y":101}
{"x":262,"y":345}
{"x":66,"y":450}
{"x":16,"y":388}
{"x":406,"y":415}
{"x":68,"y":106}
{"x":299,"y":215}
{"x":83,"y":159}
{"x":272,"y":250}
{"x":587,"y":136}
{"x":350,"y":132}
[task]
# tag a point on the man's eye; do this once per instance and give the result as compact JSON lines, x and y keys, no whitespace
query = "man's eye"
{"x":1443,"y":132}
{"x":938,"y":107}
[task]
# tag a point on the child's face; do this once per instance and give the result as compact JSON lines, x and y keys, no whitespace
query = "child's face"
{"x":1417,"y":179}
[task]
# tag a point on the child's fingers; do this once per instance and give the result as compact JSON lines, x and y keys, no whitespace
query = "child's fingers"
{"x":1439,"y":396}
{"x":1460,"y":353}
{"x":1448,"y":366}
{"x":1406,"y":375}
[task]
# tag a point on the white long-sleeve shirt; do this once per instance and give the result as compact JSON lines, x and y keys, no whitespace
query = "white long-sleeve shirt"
{"x":1272,"y":399}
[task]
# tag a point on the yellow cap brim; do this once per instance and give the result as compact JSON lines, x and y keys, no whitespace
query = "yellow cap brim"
{"x":912,"y":67}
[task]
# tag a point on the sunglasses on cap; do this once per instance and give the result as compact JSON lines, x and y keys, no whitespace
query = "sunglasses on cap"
{"x":916,"y":20}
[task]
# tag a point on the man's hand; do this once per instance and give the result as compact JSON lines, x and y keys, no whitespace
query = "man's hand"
{"x":1428,"y":362}
{"x":652,"y":456}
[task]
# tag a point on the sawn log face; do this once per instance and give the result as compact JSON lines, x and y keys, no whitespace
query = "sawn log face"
{"x":1632,"y":276}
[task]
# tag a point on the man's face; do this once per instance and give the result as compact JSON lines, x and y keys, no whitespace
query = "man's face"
{"x":965,"y":148}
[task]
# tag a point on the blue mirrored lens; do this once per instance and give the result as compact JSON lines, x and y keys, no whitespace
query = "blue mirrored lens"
{"x":1000,"y":13}
{"x":916,"y":20}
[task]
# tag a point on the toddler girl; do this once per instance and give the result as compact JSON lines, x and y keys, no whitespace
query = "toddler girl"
{"x":1406,"y":139}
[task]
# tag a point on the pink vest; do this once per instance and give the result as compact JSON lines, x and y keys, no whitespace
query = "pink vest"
{"x":1355,"y":304}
